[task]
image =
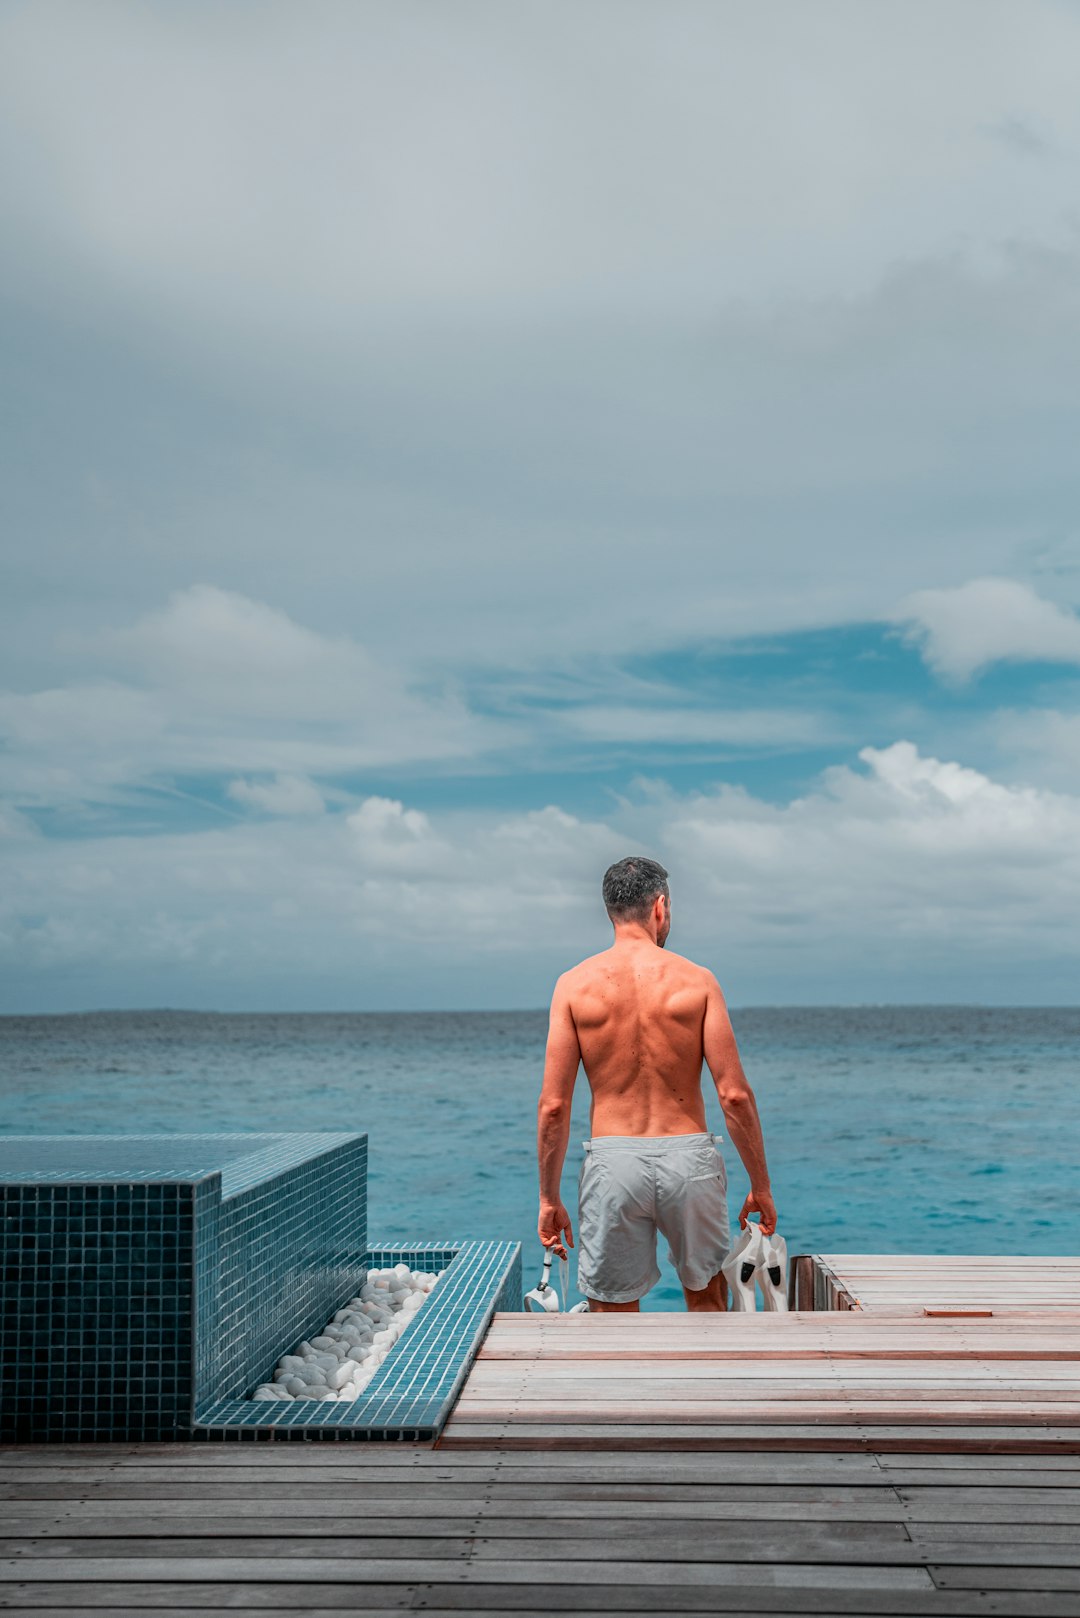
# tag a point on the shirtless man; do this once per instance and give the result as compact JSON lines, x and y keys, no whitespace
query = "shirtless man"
{"x":642,"y":1021}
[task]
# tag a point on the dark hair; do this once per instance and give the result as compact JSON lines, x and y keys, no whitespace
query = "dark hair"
{"x":631,"y":886}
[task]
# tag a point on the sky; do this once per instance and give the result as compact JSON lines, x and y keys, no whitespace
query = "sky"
{"x":447,"y":448}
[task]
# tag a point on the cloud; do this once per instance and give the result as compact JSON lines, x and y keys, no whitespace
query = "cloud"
{"x":215,"y":681}
{"x":446,"y":404}
{"x":1042,"y":743}
{"x":666,"y":367}
{"x":911,"y":859}
{"x":284,"y":795}
{"x":904,"y":876}
{"x":361,"y":159}
{"x":961,"y":631}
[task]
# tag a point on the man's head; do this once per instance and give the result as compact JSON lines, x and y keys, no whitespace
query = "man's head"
{"x":636,"y":890}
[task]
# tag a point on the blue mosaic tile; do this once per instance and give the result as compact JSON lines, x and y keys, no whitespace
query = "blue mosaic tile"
{"x":144,"y":1275}
{"x":413,"y":1391}
{"x":150,"y":1282}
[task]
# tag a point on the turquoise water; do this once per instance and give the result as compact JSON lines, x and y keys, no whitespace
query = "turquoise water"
{"x":888,"y":1128}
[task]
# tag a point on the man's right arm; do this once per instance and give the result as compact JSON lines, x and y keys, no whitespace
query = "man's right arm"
{"x":738,"y":1104}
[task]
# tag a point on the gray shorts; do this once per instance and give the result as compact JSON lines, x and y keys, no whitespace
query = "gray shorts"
{"x":632,"y":1186}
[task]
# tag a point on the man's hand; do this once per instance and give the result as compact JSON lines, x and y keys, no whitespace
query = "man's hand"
{"x":759,"y":1202}
{"x":553,"y":1223}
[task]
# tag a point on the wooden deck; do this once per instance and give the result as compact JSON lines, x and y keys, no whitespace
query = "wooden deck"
{"x":918,"y":1283}
{"x":380,"y":1529}
{"x":829,"y":1381}
{"x":879,"y":1459}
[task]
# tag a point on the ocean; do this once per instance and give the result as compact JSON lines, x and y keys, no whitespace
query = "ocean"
{"x":888,"y":1128}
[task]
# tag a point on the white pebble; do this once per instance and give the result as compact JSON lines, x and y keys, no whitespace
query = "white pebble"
{"x":340,"y":1360}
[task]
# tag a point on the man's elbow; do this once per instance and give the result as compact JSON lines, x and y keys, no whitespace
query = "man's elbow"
{"x":553,"y":1113}
{"x":736,"y":1097}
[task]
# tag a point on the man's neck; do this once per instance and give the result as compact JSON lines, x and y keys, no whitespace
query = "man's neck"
{"x":634,"y":935}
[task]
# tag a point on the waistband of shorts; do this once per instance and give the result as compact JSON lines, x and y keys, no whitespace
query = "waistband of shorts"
{"x":647,"y":1145}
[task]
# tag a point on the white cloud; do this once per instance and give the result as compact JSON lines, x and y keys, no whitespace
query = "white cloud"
{"x":388,"y":840}
{"x":918,"y":850}
{"x":901,"y":878}
{"x":960,"y":631}
{"x":1042,"y":743}
{"x":284,"y":795}
{"x":215,"y":682}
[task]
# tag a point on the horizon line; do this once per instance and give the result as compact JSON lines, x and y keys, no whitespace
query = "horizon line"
{"x":520,"y":1011}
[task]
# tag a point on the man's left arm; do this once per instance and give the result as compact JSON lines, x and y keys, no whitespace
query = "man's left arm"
{"x":553,"y":1120}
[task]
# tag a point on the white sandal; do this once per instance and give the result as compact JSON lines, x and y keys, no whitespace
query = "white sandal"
{"x":544,"y":1297}
{"x":772,"y":1272}
{"x":740,"y":1267}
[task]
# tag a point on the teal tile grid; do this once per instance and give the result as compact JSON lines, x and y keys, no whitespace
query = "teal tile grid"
{"x":275,"y":1257}
{"x":242,"y":1160}
{"x":95,"y":1311}
{"x":412,"y":1393}
{"x":142,"y":1275}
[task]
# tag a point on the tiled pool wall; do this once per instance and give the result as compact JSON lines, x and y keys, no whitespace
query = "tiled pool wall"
{"x":273,"y":1261}
{"x":147,"y":1279}
{"x":413,"y":1391}
{"x":95,"y":1331}
{"x":144,"y":1273}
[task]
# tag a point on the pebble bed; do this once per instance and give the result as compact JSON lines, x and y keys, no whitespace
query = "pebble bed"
{"x":341,"y":1361}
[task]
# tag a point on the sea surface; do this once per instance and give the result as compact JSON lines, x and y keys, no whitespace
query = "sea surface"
{"x":889,"y":1128}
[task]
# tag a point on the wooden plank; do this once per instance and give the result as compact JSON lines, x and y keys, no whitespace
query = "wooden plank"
{"x":994,"y":1577}
{"x":1011,"y":1534}
{"x":104,"y":1600}
{"x":994,"y":1488}
{"x":637,"y":1377}
{"x":720,"y":1501}
{"x":855,"y":1440}
{"x":733,"y":1541}
{"x":523,"y":1518}
{"x":1066,"y":1468}
{"x":616,"y":1523}
{"x":837,"y":1411}
{"x":507,"y":1601}
{"x":378,"y":1570}
{"x":486,"y":1463}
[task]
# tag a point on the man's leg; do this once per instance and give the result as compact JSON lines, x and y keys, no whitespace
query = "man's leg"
{"x":711,"y":1298}
{"x":633,"y":1307}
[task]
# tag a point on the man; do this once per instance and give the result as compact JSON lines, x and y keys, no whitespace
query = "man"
{"x":642,"y":1020}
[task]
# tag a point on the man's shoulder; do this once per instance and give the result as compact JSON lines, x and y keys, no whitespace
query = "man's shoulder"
{"x":583,"y":970}
{"x":690,"y":969}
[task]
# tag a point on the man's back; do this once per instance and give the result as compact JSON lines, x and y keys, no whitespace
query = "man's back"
{"x":640,"y":1015}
